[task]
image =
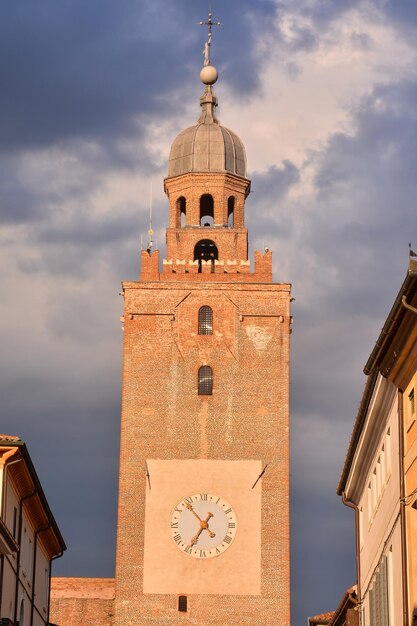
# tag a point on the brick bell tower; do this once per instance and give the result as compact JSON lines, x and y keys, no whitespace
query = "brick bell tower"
{"x":203,"y":519}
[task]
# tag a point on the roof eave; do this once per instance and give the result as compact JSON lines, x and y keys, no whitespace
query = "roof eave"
{"x":357,"y":430}
{"x":394,"y":318}
{"x":19,"y":443}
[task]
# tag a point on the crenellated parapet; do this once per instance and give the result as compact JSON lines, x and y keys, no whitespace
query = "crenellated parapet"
{"x":233,"y":270}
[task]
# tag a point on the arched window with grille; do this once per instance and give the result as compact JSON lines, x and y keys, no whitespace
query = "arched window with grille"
{"x":205,"y":320}
{"x":205,"y":381}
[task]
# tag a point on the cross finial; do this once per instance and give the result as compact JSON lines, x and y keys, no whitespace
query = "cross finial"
{"x":207,"y":45}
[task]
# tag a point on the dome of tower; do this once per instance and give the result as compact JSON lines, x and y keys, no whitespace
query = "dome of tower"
{"x":207,"y":146}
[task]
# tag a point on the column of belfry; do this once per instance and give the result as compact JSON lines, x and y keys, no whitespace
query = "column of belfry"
{"x":203,"y":517}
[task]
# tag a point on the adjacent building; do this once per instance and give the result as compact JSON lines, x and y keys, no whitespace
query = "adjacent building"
{"x":29,"y":539}
{"x":379,"y":477}
{"x":346,"y":613}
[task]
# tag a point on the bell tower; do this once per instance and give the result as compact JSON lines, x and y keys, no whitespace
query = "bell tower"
{"x":207,"y":188}
{"x":203,"y":519}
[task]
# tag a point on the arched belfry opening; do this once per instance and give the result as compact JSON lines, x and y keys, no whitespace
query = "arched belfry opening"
{"x":206,"y":210}
{"x":182,"y":211}
{"x":231,"y":211}
{"x":205,"y":250}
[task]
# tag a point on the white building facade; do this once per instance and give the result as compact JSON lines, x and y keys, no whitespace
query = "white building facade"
{"x":379,"y":475}
{"x":372,"y":488}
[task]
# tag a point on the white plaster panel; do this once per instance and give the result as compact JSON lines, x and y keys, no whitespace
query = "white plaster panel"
{"x":167,"y":570}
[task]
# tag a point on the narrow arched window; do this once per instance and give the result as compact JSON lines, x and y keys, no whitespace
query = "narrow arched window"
{"x":206,"y":210}
{"x":231,"y":212}
{"x":205,"y":381}
{"x":182,"y":604}
{"x":205,"y":320}
{"x":182,"y":211}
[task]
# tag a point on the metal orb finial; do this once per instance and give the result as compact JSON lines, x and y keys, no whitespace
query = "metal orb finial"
{"x":209,"y":75}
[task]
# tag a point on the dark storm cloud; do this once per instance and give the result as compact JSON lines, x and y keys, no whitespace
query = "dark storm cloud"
{"x":405,"y":11}
{"x":19,"y":202}
{"x":86,"y":79}
{"x":323,"y":564}
{"x":268,"y":190}
{"x":91,"y":230}
{"x":61,"y":254}
{"x":76,"y":69}
{"x":34,"y":186}
{"x":275,"y":182}
{"x":318,"y":521}
{"x":92,"y":435}
{"x":367,"y":194}
{"x":356,"y":235}
{"x":329,"y":10}
{"x":359,"y":228}
{"x":386,"y":127}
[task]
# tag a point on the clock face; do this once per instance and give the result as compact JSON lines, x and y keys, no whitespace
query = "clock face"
{"x":203,"y":525}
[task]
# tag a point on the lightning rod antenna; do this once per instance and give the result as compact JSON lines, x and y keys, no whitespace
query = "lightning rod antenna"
{"x":150,"y":231}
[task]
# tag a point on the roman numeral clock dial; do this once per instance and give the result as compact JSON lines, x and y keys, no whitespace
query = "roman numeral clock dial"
{"x":203,"y":525}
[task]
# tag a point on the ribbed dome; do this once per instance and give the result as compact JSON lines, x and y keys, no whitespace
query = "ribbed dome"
{"x":207,"y":146}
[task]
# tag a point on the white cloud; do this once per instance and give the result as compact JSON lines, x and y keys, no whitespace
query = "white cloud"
{"x":297,"y":112}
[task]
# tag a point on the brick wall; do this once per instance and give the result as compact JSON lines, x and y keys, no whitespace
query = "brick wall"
{"x":82,"y":601}
{"x":247,"y":417}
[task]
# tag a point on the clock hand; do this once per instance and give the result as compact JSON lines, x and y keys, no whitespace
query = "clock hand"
{"x":203,"y":526}
{"x":190,"y":508}
{"x":209,"y":515}
{"x":195,"y":538}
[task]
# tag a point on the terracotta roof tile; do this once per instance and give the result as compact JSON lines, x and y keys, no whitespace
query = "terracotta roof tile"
{"x":322,"y":617}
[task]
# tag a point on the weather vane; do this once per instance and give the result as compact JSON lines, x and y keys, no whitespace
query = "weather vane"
{"x":209,"y":24}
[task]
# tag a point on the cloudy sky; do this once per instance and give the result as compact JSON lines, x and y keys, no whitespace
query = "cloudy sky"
{"x":323,"y":93}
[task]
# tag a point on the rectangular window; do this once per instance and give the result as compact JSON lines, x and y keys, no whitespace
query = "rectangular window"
{"x":15,"y":523}
{"x":378,"y":478}
{"x":182,"y":604}
{"x":24,"y":551}
{"x":46,"y":588}
{"x":29,"y":559}
{"x":391,"y":599}
{"x":383,"y":466}
{"x":372,"y":612}
{"x":374,"y":490}
{"x":370,"y":504}
{"x":388,"y":453}
{"x":378,"y":596}
{"x":411,"y":402}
